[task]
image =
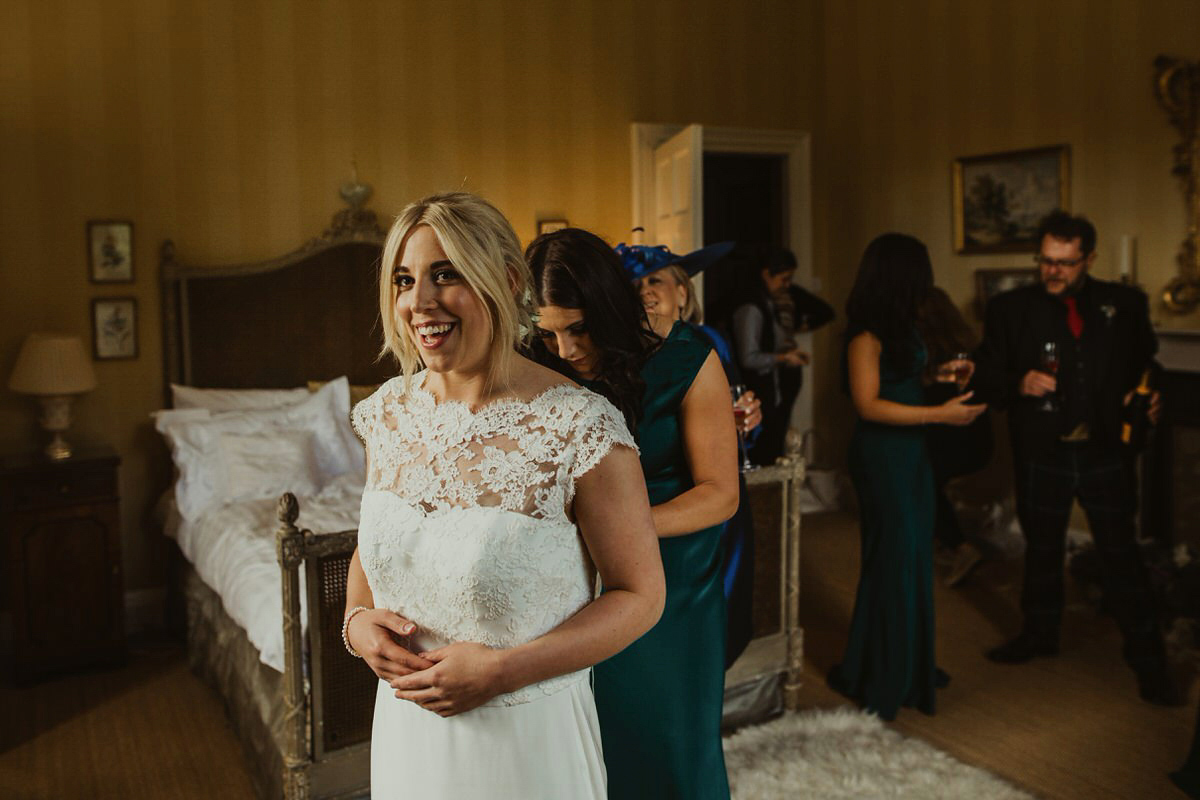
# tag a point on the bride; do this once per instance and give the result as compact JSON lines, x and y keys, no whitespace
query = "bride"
{"x":496,"y":490}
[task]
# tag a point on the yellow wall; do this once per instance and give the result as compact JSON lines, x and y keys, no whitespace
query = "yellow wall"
{"x":228,"y":125}
{"x":908,"y":87}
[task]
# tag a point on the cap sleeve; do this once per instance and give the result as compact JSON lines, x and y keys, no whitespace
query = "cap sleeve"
{"x":599,"y":428}
{"x":673,"y":368}
{"x":366,"y":416}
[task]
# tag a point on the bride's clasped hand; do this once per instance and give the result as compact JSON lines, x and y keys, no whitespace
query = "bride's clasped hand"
{"x":460,"y":677}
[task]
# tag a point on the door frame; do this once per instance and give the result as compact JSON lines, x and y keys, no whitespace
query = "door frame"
{"x":795,"y":147}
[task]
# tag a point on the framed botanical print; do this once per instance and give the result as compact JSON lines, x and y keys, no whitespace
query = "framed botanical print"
{"x":114,"y":328}
{"x":1000,"y":199}
{"x":110,"y":251}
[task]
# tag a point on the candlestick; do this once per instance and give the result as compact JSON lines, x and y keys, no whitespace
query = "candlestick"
{"x":1127,"y":259}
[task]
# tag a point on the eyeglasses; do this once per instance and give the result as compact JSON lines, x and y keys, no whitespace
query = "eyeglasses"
{"x":1058,"y":262}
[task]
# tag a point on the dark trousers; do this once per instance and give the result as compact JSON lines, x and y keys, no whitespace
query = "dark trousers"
{"x":1103,"y":482}
{"x":771,"y":439}
{"x":946,"y":529}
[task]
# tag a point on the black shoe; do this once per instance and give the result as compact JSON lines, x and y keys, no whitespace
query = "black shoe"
{"x":1023,"y":648}
{"x":1155,"y":686}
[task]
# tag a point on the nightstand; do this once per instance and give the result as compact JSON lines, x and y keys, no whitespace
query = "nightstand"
{"x":62,"y":539}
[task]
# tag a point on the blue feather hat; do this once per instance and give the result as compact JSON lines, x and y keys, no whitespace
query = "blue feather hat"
{"x":640,"y":260}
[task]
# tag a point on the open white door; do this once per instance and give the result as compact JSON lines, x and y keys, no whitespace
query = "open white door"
{"x":668,"y":200}
{"x":678,"y":198}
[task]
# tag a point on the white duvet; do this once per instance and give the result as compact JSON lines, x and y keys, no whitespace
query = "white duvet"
{"x":232,"y":548}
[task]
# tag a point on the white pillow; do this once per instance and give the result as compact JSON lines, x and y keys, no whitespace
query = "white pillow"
{"x":217,"y":400}
{"x":195,"y":439}
{"x":265,"y":465}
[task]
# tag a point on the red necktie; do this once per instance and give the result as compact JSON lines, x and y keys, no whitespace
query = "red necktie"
{"x":1074,"y":321}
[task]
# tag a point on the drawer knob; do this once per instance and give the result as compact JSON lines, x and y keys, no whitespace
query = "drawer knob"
{"x":64,"y":489}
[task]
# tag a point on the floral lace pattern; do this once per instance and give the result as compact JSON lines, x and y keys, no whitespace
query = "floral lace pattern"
{"x":465,"y":525}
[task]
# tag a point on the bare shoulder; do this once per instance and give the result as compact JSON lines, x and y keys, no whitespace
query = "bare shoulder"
{"x":865,"y":342}
{"x":710,"y":381}
{"x":529,"y":379}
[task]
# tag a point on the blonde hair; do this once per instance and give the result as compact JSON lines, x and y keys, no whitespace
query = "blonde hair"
{"x":485,"y":250}
{"x":691,"y":311}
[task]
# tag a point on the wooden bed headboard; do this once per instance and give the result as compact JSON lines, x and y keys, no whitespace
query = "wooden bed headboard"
{"x":312,"y":314}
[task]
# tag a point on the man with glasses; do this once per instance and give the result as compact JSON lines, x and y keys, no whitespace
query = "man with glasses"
{"x":1063,"y":356}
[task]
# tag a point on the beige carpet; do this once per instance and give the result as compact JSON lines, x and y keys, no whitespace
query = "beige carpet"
{"x":846,"y":754}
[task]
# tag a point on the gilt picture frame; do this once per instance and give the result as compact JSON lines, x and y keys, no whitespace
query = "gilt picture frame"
{"x":551,"y":225}
{"x":999,"y":199}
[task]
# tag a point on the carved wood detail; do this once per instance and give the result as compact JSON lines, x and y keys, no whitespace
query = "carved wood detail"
{"x":1177,"y":87}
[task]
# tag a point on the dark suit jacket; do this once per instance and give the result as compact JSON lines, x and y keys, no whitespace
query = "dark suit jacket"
{"x":1118,"y":343}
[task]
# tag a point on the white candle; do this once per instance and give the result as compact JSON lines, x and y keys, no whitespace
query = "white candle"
{"x":1127,"y":259}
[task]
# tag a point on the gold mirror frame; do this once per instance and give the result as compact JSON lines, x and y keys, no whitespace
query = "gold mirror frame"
{"x":1177,"y":87}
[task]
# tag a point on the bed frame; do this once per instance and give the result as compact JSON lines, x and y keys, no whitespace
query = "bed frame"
{"x":317,"y":734}
{"x":222,"y":327}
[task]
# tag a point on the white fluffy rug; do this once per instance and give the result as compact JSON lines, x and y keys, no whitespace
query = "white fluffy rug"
{"x":847,"y":754}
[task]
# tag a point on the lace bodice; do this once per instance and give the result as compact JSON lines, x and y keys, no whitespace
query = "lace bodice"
{"x":466,"y":526}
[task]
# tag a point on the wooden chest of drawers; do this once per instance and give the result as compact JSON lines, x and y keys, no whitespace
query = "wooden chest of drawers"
{"x":62,"y":542}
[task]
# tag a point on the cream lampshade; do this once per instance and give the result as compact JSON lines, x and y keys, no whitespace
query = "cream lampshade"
{"x":53,"y":367}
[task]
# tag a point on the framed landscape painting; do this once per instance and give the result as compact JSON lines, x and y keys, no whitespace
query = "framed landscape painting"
{"x":999,"y":199}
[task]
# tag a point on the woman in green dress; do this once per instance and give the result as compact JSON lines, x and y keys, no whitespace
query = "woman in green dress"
{"x":889,"y":659}
{"x":659,"y":700}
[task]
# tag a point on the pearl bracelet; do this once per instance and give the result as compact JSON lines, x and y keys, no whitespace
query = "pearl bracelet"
{"x":346,"y":624}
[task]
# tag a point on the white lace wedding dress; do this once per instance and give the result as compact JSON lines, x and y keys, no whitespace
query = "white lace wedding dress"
{"x":465,"y":531}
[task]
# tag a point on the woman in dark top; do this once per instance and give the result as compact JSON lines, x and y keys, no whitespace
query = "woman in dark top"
{"x":659,"y":700}
{"x":889,"y":658}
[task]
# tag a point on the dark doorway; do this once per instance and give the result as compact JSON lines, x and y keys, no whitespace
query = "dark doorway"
{"x":744,"y":202}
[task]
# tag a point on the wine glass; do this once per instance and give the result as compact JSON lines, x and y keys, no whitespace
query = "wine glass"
{"x":956,"y":369}
{"x":739,"y":417}
{"x":1049,"y":365}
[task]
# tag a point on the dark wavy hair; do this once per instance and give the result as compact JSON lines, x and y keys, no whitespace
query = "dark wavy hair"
{"x":1061,"y":225}
{"x":576,"y":269}
{"x":894,"y":276}
{"x":943,"y":328}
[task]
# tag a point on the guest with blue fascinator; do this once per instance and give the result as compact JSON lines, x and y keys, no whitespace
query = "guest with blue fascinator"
{"x":663,"y":281}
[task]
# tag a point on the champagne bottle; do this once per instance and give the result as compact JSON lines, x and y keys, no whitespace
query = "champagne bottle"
{"x":1137,"y":419}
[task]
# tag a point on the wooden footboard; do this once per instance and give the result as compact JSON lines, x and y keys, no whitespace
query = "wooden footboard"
{"x":328,"y":695}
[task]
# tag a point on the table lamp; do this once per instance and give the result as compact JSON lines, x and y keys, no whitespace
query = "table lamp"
{"x":54,"y":367}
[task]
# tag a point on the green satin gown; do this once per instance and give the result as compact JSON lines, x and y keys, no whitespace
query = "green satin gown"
{"x":659,"y":700}
{"x":889,"y":659}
